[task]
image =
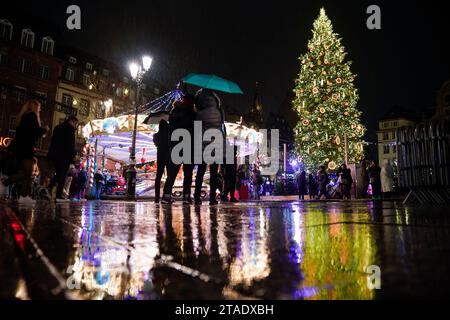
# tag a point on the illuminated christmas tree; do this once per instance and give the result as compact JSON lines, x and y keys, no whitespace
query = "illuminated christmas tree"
{"x":326,"y":102}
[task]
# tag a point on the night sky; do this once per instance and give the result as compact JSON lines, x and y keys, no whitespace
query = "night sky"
{"x":404,"y":64}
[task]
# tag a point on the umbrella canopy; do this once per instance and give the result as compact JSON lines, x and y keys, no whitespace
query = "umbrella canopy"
{"x":159,"y":109}
{"x":212,"y":82}
{"x":155,"y":118}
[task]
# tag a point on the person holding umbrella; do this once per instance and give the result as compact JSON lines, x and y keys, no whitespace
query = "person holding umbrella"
{"x":210,"y":113}
{"x":181,"y":117}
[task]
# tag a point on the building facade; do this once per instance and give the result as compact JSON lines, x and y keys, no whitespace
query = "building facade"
{"x":396,"y":118}
{"x":28,"y":70}
{"x":35,"y":64}
{"x":90,"y":88}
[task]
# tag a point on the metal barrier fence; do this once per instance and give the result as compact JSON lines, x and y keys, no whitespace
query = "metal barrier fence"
{"x":424,"y":161}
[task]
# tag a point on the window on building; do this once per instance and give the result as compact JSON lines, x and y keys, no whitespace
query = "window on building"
{"x":86,"y":80}
{"x":386,"y":149}
{"x":102,"y":86}
{"x":394,"y":135}
{"x":6,"y":29}
{"x":100,"y":111}
{"x":42,"y":97}
{"x":80,"y":130}
{"x":3,"y":58}
{"x":84,"y":107}
{"x":385,"y":135}
{"x":12,"y":127}
{"x":386,"y":124}
{"x":73,"y":60}
{"x":47,"y":45}
{"x":44,"y":72}
{"x":395,"y":124}
{"x":27,"y":39}
{"x":21,"y":94}
{"x":39,"y":143}
{"x":24,"y":65}
{"x":67,"y":100}
{"x":70,"y":74}
{"x":3,"y":91}
{"x":89,"y":66}
{"x":394,"y":149}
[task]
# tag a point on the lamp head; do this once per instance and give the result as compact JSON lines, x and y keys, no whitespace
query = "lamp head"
{"x":147,"y":62}
{"x":134,"y":70}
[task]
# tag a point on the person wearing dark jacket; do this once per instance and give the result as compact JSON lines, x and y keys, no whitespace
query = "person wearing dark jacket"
{"x":161,"y":141}
{"x":375,"y":180}
{"x":312,"y":187}
{"x":323,"y":179}
{"x":301,"y":182}
{"x":182,"y":116}
{"x":230,"y":177}
{"x":61,"y":153}
{"x":346,"y":181}
{"x":210,"y":113}
{"x":28,"y":132}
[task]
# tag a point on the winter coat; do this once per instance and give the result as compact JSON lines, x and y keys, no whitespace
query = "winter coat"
{"x":324,"y":179}
{"x":182,"y":116}
{"x":62,"y":146}
{"x":363,"y":177}
{"x":387,"y":178}
{"x":346,"y":176}
{"x":161,"y":141}
{"x":301,"y":181}
{"x":312,"y":185}
{"x":27,"y":134}
{"x":209,"y":111}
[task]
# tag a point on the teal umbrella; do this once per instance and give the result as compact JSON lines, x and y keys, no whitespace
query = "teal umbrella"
{"x":212,"y":82}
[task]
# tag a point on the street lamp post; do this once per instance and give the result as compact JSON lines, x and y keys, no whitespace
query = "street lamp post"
{"x":137,"y":73}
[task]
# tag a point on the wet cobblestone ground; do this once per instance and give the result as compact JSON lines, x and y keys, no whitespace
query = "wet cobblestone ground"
{"x":272,"y":250}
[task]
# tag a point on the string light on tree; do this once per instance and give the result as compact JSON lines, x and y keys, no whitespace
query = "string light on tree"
{"x":326,"y":101}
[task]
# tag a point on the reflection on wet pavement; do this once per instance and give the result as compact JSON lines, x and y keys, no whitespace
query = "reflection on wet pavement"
{"x":120,"y":250}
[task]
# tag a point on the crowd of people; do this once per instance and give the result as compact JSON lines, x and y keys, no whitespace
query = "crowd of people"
{"x":19,"y":163}
{"x":22,"y":178}
{"x":205,"y":107}
{"x":370,"y":174}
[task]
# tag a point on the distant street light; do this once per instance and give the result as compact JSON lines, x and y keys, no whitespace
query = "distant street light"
{"x":137,"y":73}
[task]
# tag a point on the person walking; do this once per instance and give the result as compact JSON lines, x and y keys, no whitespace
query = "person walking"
{"x":82,"y":179}
{"x":257,"y":182}
{"x":375,"y":180}
{"x":387,"y":178}
{"x":323,"y":180}
{"x":346,"y":181}
{"x":363,"y":180}
{"x":230,"y":179}
{"x":312,"y":187}
{"x":29,"y":130}
{"x":61,"y":154}
{"x":161,"y":141}
{"x":301,"y":183}
{"x":99,"y":180}
{"x":211,"y":115}
{"x":182,"y":116}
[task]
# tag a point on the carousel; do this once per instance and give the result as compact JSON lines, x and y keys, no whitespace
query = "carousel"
{"x":108,"y":143}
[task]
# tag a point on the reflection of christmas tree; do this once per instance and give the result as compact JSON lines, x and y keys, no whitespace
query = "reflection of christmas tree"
{"x":326,"y":101}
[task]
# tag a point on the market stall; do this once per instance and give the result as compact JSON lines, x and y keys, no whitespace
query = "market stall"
{"x":110,"y":139}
